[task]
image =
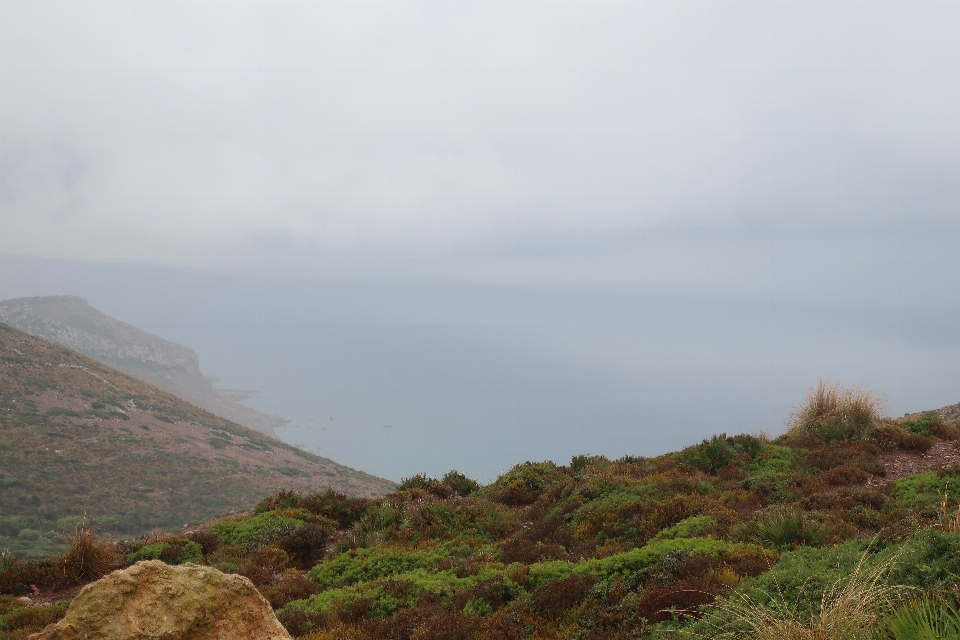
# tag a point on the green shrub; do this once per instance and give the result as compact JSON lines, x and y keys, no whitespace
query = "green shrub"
{"x":687,"y":528}
{"x":363,"y":565}
{"x":712,"y":455}
{"x":630,"y":564}
{"x":32,"y":618}
{"x":387,"y":595}
{"x":927,"y":490}
{"x":930,"y":559}
{"x":920,"y":426}
{"x":261,"y":529}
{"x":804,"y":575}
{"x":176,"y":552}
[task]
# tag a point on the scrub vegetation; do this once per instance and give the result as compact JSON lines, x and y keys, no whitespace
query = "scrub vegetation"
{"x":82,"y":442}
{"x":799,"y":537}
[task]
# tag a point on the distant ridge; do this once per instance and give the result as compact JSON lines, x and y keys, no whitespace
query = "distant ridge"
{"x":75,"y":323}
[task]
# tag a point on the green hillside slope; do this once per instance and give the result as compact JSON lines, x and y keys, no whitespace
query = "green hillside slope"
{"x":79,"y":438}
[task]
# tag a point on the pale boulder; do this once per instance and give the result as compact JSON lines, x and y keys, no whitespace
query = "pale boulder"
{"x":155,"y":601}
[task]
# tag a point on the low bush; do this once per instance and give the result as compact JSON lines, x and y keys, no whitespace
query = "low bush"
{"x":173,"y":551}
{"x":523,"y":484}
{"x":306,"y":544}
{"x":261,"y":529}
{"x":554,"y":597}
{"x":931,"y":560}
{"x":27,"y":619}
{"x":890,"y":436}
{"x":710,"y":456}
{"x":292,"y":585}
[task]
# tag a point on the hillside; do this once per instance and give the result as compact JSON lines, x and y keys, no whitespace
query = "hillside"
{"x":80,"y":438}
{"x":741,"y":537}
{"x":73,"y":322}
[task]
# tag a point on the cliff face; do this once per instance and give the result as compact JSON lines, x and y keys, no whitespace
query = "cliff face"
{"x":73,"y":322}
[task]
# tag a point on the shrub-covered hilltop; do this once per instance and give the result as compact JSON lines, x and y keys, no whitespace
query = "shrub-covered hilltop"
{"x":802,"y":536}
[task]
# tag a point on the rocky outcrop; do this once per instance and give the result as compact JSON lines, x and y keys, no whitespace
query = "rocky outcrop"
{"x":154,"y":601}
{"x":73,"y":322}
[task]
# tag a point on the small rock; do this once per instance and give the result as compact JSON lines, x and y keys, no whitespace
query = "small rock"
{"x":25,"y":599}
{"x":155,"y":601}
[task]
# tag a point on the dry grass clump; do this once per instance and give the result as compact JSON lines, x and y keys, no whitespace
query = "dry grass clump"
{"x":834,"y":412}
{"x":854,"y":608}
{"x":86,"y":558}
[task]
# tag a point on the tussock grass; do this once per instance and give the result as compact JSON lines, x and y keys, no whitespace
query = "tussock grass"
{"x":87,"y":558}
{"x":835,"y":412}
{"x":854,"y":608}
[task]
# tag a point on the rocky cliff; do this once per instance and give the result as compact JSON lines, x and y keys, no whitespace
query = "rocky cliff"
{"x":73,"y":322}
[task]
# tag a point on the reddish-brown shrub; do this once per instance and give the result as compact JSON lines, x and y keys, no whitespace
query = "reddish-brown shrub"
{"x":681,"y":599}
{"x":844,"y":475}
{"x":556,"y":596}
{"x":399,"y":626}
{"x":515,"y":493}
{"x":527,"y":552}
{"x":299,"y":623}
{"x":355,"y":611}
{"x":329,"y":504}
{"x":263,"y":565}
{"x":740,"y":501}
{"x":207,"y":541}
{"x":860,"y":455}
{"x":495,"y":593}
{"x":890,"y":436}
{"x":944,"y":431}
{"x":913,"y":442}
{"x":293,"y":585}
{"x":749,"y":562}
{"x":450,"y":625}
{"x":306,"y":544}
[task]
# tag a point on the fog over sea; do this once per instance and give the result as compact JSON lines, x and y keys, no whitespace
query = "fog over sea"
{"x":467,"y":234}
{"x":401,"y":380}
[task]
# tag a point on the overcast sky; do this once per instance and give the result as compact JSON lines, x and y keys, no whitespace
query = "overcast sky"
{"x":515,"y":229}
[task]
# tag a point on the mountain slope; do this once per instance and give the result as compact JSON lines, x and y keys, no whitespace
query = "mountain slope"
{"x":73,"y":322}
{"x":78,"y":437}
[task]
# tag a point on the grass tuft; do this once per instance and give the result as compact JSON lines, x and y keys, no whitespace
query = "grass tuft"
{"x":834,"y":412}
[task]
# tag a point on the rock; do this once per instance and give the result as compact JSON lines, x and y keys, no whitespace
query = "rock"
{"x":155,"y":601}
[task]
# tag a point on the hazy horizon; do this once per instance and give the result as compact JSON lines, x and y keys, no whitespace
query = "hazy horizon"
{"x":475,"y":233}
